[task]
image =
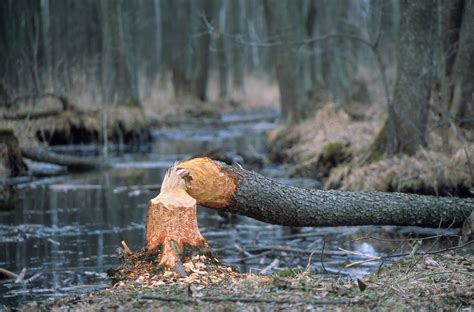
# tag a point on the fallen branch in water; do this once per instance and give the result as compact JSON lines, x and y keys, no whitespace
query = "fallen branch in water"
{"x":400,"y":255}
{"x":7,"y":275}
{"x":73,"y":163}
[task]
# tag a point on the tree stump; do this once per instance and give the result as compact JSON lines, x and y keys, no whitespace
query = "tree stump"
{"x":171,"y":230}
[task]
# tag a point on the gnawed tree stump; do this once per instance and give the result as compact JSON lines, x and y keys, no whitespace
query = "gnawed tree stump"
{"x":172,"y":226}
{"x":171,"y":229}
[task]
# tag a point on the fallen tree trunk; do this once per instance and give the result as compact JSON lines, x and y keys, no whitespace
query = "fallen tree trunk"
{"x":233,"y":189}
{"x":72,"y":163}
{"x":172,"y":232}
{"x":33,"y":114}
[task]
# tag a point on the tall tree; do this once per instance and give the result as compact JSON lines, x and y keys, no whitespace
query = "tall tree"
{"x":187,"y":39}
{"x":283,"y":19}
{"x":462,"y":105}
{"x":117,"y":82}
{"x":202,"y":16}
{"x":221,"y":13}
{"x":405,"y":129}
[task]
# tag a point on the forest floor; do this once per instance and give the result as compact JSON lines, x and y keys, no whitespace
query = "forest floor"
{"x":429,"y":282}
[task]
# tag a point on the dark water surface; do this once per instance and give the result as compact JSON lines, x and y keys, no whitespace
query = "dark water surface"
{"x":65,"y":230}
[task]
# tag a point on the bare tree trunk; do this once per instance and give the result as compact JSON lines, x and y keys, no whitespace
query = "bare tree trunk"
{"x":283,"y":21}
{"x":201,"y":61}
{"x":186,"y":39}
{"x":462,"y":104}
{"x":405,"y":130}
{"x":117,"y":82}
{"x":159,"y":32}
{"x":222,"y":51}
{"x":48,"y":65}
{"x":238,"y":28}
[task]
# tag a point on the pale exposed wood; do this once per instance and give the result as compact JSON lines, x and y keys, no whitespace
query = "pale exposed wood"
{"x":207,"y":183}
{"x":171,"y":220}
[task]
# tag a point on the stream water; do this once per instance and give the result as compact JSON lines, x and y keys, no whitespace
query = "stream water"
{"x":65,"y":230}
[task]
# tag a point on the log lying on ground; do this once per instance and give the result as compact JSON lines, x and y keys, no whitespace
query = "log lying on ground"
{"x":72,"y":163}
{"x":233,"y":189}
{"x":172,"y":230}
{"x":33,"y":114}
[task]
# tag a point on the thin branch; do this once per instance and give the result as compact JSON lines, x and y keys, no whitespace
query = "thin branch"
{"x":382,"y":258}
{"x":403,"y":239}
{"x":272,"y":265}
{"x":295,"y":250}
{"x":244,"y":259}
{"x":322,"y":255}
{"x":245,"y":299}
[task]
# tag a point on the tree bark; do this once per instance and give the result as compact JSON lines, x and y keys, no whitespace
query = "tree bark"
{"x":230,"y":188}
{"x":405,"y":130}
{"x":283,"y":21}
{"x":462,"y":105}
{"x":117,"y":82}
{"x":201,"y":58}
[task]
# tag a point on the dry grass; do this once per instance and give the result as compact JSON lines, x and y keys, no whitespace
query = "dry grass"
{"x":427,"y":172}
{"x":333,"y":125}
{"x":326,"y":140}
{"x":331,"y":145}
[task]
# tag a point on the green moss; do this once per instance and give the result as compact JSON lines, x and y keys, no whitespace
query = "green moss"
{"x":132,"y":103}
{"x":333,"y":149}
{"x":8,"y":138}
{"x":8,"y":203}
{"x":289,"y":272}
{"x":375,"y":155}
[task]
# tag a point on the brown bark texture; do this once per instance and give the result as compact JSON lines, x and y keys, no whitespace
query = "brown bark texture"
{"x":233,"y":189}
{"x":405,"y":131}
{"x":462,"y":105}
{"x":280,"y":18}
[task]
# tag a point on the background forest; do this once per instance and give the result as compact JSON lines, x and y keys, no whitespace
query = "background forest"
{"x":405,"y":68}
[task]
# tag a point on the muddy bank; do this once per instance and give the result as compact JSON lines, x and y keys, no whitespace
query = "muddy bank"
{"x":120,"y":125}
{"x":334,"y":147}
{"x":432,"y":282}
{"x":11,"y":160}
